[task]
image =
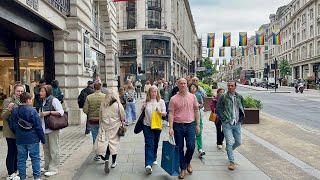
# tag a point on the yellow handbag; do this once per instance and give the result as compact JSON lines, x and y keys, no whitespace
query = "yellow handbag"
{"x":213,"y":117}
{"x":156,"y":120}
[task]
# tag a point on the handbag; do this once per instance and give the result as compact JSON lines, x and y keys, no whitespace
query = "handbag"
{"x":139,"y":125}
{"x":213,"y":117}
{"x":23,"y":124}
{"x":156,"y":120}
{"x":170,"y":157}
{"x":58,"y":122}
{"x":122,"y":130}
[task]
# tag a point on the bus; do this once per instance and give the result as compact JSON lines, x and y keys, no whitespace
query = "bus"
{"x":246,"y":75}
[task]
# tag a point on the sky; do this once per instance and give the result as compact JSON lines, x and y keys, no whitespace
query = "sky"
{"x":233,"y":16}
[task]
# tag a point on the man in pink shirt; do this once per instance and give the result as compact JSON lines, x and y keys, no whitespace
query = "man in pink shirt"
{"x":184,"y":120}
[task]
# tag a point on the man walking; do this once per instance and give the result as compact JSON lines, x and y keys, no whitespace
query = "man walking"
{"x":184,"y":120}
{"x":82,"y":99}
{"x":231,"y":113}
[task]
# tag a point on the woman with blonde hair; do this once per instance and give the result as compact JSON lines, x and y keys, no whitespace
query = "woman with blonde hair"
{"x":131,"y":97}
{"x":153,"y":103}
{"x":111,"y":119}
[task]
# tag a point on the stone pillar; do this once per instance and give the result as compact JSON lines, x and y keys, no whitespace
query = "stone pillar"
{"x":300,"y":72}
{"x":310,"y":69}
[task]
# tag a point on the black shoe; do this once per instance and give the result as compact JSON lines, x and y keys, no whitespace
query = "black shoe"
{"x":87,"y":132}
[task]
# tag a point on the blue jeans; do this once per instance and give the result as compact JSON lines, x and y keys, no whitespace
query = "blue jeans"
{"x":94,"y":131}
{"x":232,"y":134}
{"x":34,"y":152}
{"x":131,"y":112}
{"x":185,"y":131}
{"x":151,"y":140}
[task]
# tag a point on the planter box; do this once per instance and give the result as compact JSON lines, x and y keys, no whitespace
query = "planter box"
{"x":251,"y":116}
{"x":206,"y":103}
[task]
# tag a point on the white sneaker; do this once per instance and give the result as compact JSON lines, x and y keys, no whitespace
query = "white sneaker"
{"x":219,"y":147}
{"x":43,"y":170}
{"x":113,"y":165}
{"x":148,"y":170}
{"x":50,"y":173}
{"x":13,"y":176}
{"x":155,"y":163}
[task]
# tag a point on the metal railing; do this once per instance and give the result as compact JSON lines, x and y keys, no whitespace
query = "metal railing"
{"x":61,"y":5}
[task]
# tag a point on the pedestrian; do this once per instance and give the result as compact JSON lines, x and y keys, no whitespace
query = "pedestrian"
{"x":193,"y":89}
{"x":147,"y":86}
{"x":8,"y":105}
{"x":130,"y":97}
{"x":184,"y":119}
{"x":165,"y":94}
{"x":175,"y":89}
{"x":111,"y":118}
{"x":121,"y":96}
{"x":92,"y":109}
{"x":153,"y":103}
{"x":104,"y":88}
{"x":201,"y":91}
{"x":27,"y":139}
{"x":218,"y":124}
{"x":37,"y":100}
{"x":56,"y":91}
{"x":138,"y":87}
{"x":50,"y":106}
{"x":82,"y":99}
{"x":230,"y":112}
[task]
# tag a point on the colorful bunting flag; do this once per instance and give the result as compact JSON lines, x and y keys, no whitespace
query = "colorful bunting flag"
{"x":210,"y":52}
{"x":210,"y":40}
{"x":243,"y":39}
{"x":221,"y":52}
{"x":233,"y":51}
{"x":259,"y":39}
{"x":226,"y":39}
{"x":276,"y":39}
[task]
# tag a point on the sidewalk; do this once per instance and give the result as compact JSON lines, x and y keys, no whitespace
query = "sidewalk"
{"x":131,"y":161}
{"x":281,"y":89}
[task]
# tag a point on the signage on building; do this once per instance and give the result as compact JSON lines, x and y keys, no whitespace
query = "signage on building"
{"x":200,"y":69}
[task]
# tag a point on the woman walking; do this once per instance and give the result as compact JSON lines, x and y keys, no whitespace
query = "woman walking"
{"x":154,"y":103}
{"x":213,"y":106}
{"x":50,"y":106}
{"x":111,"y":119}
{"x":130,"y":97}
{"x":8,"y":105}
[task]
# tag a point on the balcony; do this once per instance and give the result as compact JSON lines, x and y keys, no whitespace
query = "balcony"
{"x":128,"y":53}
{"x":61,"y":5}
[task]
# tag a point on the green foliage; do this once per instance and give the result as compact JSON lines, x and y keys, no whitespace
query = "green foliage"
{"x":250,"y":102}
{"x":207,"y":88}
{"x":285,"y":68}
{"x":210,"y":68}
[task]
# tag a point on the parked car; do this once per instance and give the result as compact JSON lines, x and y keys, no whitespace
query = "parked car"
{"x":268,"y":84}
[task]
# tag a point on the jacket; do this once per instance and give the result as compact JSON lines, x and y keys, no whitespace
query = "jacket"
{"x":6,"y":116}
{"x":83,"y":96}
{"x":225,"y":108}
{"x":92,"y":105}
{"x":30,"y":115}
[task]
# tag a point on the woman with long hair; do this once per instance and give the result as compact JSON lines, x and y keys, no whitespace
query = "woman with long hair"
{"x":131,"y":98}
{"x":50,"y":106}
{"x":154,"y":103}
{"x":111,"y":119}
{"x":213,"y":106}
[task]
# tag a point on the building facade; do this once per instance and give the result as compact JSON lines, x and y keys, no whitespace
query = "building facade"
{"x":157,"y":39}
{"x":70,"y":41}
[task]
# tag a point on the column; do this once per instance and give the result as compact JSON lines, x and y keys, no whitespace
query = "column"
{"x":310,"y":70}
{"x":300,"y":72}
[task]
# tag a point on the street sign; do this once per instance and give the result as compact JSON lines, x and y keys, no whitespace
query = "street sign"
{"x":200,"y":69}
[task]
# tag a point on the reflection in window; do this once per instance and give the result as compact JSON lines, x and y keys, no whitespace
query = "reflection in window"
{"x":157,"y":47}
{"x":154,"y":14}
{"x":131,"y":15}
{"x":128,"y":47}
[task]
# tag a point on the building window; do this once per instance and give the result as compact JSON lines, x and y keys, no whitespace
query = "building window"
{"x":318,"y":28}
{"x":157,"y":47}
{"x":298,"y":37}
{"x":318,"y":9}
{"x":128,"y":48}
{"x":304,"y":34}
{"x":95,"y":18}
{"x":311,"y":50}
{"x":131,"y":15}
{"x":311,"y":14}
{"x":154,"y":14}
{"x":318,"y":48}
{"x":303,"y":19}
{"x":311,"y":31}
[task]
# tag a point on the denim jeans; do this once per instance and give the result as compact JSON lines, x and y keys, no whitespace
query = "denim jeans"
{"x":34,"y":152}
{"x":151,"y":140}
{"x":187,"y":132}
{"x":232,"y":134}
{"x":11,"y":160}
{"x":94,"y":128}
{"x":131,"y":112}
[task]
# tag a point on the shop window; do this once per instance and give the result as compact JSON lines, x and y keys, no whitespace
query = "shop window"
{"x":157,"y":47}
{"x":128,"y":47}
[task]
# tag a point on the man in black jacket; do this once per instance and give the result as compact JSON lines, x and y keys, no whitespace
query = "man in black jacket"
{"x":82,"y":99}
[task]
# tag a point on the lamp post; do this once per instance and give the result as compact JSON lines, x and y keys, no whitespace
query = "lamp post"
{"x":275,"y":74}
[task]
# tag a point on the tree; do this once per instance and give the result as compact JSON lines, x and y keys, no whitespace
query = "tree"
{"x":285,"y":68}
{"x":210,"y":68}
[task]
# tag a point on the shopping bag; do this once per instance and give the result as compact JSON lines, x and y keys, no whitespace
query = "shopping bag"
{"x":156,"y":120}
{"x":170,"y":160}
{"x":213,"y":117}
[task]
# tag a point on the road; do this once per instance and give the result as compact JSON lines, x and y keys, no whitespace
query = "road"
{"x":301,"y":109}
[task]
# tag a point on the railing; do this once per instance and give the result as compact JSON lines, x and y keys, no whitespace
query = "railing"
{"x":129,"y":52}
{"x":61,"y":5}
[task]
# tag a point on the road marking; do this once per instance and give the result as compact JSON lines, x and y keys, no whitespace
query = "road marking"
{"x":297,"y":162}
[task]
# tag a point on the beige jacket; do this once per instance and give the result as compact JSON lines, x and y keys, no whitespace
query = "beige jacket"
{"x":110,"y":122}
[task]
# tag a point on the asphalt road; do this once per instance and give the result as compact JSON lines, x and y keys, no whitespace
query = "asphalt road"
{"x":301,"y":109}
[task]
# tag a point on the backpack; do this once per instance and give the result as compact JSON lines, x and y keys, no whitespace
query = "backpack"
{"x":130,"y":96}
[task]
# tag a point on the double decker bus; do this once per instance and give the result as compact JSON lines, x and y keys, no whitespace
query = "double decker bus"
{"x":246,"y":75}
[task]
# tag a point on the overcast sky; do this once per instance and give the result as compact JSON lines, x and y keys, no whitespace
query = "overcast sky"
{"x":233,"y":16}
